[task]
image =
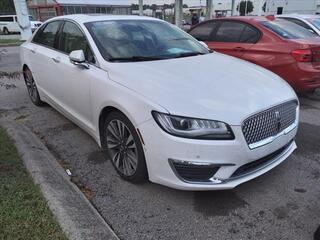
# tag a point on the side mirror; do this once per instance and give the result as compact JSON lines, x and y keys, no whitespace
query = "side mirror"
{"x":77,"y":58}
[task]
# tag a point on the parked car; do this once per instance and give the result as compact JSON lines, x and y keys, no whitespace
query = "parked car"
{"x":309,"y":22}
{"x":278,"y":45}
{"x":9,"y":24}
{"x":160,"y":103}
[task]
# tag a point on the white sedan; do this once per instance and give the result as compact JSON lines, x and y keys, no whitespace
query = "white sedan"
{"x":160,"y":103}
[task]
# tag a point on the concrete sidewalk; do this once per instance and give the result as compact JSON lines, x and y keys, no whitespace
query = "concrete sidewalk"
{"x":77,"y":217}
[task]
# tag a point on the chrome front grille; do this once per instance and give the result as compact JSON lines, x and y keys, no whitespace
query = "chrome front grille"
{"x":269,"y":123}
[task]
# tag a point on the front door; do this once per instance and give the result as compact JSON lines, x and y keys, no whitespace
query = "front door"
{"x":75,"y":81}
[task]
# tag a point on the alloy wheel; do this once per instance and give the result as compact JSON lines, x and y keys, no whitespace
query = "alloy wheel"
{"x":122,"y":147}
{"x":31,"y":86}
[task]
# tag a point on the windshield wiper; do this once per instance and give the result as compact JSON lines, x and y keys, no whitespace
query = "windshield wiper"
{"x":188,"y":54}
{"x":135,"y":59}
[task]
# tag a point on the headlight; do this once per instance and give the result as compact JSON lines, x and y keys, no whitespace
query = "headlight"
{"x":193,"y":128}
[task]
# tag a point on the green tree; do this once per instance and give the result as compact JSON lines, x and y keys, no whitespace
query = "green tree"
{"x":7,"y":7}
{"x":146,"y":6}
{"x":135,"y":6}
{"x":154,"y":7}
{"x":243,"y":6}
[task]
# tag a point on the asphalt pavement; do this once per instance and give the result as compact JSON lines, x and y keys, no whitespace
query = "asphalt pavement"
{"x":282,"y":204}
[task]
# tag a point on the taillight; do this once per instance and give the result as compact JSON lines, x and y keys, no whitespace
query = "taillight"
{"x":302,"y":55}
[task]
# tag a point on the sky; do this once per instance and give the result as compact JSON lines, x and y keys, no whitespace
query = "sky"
{"x":188,"y":2}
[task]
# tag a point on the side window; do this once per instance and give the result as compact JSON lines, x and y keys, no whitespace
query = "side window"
{"x":249,"y":35}
{"x":203,"y":31}
{"x":229,"y":31}
{"x":6,"y":19}
{"x":71,"y":38}
{"x":300,"y":23}
{"x":47,"y":35}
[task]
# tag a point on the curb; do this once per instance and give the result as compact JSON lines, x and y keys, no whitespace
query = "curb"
{"x":10,"y":44}
{"x":75,"y":214}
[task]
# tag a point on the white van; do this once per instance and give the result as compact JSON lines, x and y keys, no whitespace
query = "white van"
{"x":9,"y":24}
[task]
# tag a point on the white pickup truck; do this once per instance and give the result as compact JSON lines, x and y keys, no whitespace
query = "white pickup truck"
{"x":9,"y":24}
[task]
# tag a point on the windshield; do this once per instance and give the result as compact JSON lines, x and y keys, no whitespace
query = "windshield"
{"x":287,"y":30}
{"x":142,"y":40}
{"x":315,"y":22}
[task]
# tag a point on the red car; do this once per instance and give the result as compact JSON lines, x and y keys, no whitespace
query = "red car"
{"x":284,"y":48}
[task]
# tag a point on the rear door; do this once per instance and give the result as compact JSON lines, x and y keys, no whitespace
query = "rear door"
{"x":41,"y":52}
{"x":15,"y":25}
{"x":234,"y":38}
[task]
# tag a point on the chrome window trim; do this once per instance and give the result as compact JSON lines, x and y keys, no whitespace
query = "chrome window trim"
{"x":63,"y":20}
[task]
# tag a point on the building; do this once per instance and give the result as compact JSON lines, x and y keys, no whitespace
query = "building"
{"x":292,"y":6}
{"x":45,"y":9}
{"x":223,"y":7}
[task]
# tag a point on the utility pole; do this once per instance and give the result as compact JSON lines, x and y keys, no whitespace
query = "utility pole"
{"x":246,"y":9}
{"x":232,"y":7}
{"x":23,"y":18}
{"x":141,"y":7}
{"x":209,"y":9}
{"x":178,"y":11}
{"x":260,"y":5}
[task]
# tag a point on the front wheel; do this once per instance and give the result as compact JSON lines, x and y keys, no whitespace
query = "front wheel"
{"x":124,"y":147}
{"x":32,"y":88}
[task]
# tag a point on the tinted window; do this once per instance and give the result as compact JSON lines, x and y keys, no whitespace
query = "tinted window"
{"x":203,"y":31}
{"x":138,"y":40}
{"x":47,"y":35}
{"x":72,"y":38}
{"x":230,"y":32}
{"x":6,"y":19}
{"x":315,"y":22}
{"x":300,"y":23}
{"x":249,"y":35}
{"x":287,"y":29}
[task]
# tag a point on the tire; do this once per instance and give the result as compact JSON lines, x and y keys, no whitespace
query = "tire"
{"x":6,"y":31}
{"x":32,"y":88}
{"x":124,"y":148}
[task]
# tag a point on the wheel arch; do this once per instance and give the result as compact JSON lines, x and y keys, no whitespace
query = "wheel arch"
{"x":105,"y":111}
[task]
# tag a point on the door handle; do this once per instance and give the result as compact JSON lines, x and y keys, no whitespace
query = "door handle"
{"x":239,"y":49}
{"x":56,"y":59}
{"x":33,"y":50}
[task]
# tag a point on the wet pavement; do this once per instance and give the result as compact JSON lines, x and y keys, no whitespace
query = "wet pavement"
{"x":282,"y":204}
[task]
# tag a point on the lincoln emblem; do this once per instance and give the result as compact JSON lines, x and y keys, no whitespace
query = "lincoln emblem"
{"x":278,"y":119}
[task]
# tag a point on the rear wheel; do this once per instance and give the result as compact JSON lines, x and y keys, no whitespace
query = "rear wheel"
{"x":32,"y":88}
{"x":124,"y":147}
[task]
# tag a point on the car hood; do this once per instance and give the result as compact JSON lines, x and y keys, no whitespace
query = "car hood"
{"x":212,"y":86}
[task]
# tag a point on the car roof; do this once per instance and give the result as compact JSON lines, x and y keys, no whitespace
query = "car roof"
{"x":84,"y":18}
{"x":299,"y":16}
{"x":245,"y":18}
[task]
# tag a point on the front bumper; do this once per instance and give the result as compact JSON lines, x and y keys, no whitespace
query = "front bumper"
{"x":161,"y":149}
